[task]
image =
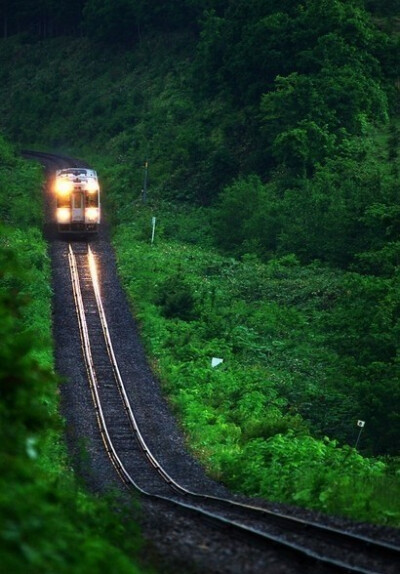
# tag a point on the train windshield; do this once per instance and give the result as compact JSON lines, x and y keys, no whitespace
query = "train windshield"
{"x":92,"y":200}
{"x":74,"y":171}
{"x":63,"y":201}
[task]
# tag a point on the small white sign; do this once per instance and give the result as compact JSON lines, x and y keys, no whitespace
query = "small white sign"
{"x":360,"y":423}
{"x":215,"y":361}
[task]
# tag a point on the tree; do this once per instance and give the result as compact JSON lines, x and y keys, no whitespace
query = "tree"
{"x":41,"y":18}
{"x":247,"y":218}
{"x":303,"y":147}
{"x":113,"y":21}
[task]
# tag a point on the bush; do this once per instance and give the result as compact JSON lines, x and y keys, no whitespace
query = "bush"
{"x":176,"y":299}
{"x":47,"y":523}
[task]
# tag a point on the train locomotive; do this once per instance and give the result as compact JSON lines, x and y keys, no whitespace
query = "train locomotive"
{"x":77,"y":193}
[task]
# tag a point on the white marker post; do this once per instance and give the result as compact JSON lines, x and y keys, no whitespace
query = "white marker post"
{"x":360,"y":424}
{"x":144,"y":190}
{"x":153,"y":223}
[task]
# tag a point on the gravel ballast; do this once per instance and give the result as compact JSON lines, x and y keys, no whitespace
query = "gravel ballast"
{"x":175,"y":541}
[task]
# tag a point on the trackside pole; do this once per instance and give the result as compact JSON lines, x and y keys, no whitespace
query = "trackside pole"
{"x":360,"y":424}
{"x":144,"y":190}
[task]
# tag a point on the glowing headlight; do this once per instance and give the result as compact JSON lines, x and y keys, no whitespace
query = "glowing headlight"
{"x":64,"y":186}
{"x":92,"y":214}
{"x":92,"y":186}
{"x":63,"y":215}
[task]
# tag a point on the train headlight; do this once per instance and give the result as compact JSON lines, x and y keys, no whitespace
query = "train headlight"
{"x":92,"y":215}
{"x":63,"y":215}
{"x":64,"y":186}
{"x":92,"y":186}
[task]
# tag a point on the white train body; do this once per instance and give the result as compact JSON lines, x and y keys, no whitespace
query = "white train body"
{"x":77,"y":192}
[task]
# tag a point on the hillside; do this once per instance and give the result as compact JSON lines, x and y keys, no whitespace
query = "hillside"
{"x":272,"y":140}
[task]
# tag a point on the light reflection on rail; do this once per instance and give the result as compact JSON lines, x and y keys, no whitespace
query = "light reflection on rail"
{"x":127,"y":478}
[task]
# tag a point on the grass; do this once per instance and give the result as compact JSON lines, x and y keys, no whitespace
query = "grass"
{"x":249,"y":418}
{"x":48,"y":522}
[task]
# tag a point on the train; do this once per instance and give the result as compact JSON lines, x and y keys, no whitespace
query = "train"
{"x":77,"y":192}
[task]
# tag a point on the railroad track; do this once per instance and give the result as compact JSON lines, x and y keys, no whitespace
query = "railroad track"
{"x":139,"y":469}
{"x":55,"y":161}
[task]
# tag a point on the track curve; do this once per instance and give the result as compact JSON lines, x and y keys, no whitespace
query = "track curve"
{"x":163,"y":437}
{"x":293,"y":534}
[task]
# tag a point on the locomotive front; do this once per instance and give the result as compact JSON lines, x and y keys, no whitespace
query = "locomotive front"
{"x":77,"y":193}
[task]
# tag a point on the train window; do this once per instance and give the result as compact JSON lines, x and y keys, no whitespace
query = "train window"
{"x":74,"y":171}
{"x":63,"y":201}
{"x":92,"y":200}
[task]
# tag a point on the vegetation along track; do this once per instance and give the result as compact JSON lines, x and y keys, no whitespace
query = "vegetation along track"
{"x":131,"y":457}
{"x":124,"y":424}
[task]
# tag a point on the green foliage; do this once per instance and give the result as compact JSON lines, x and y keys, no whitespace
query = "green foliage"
{"x":315,"y":92}
{"x":364,"y":329}
{"x":123,"y":22}
{"x":247,"y":218}
{"x":103,"y":20}
{"x":41,"y":19}
{"x":47,"y":523}
{"x":383,"y":7}
{"x":304,"y":471}
{"x":283,"y":378}
{"x":277,"y":116}
{"x":176,"y":299}
{"x":20,"y":192}
{"x":19,"y":404}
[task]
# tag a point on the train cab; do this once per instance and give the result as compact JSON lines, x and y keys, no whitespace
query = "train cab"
{"x":77,"y":193}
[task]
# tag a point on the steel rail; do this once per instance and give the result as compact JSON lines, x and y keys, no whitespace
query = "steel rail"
{"x":128,"y":480}
{"x":52,"y":158}
{"x":340,"y":534}
{"x":327,"y":530}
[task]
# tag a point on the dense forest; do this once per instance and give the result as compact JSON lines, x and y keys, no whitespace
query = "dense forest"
{"x":272,"y":136}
